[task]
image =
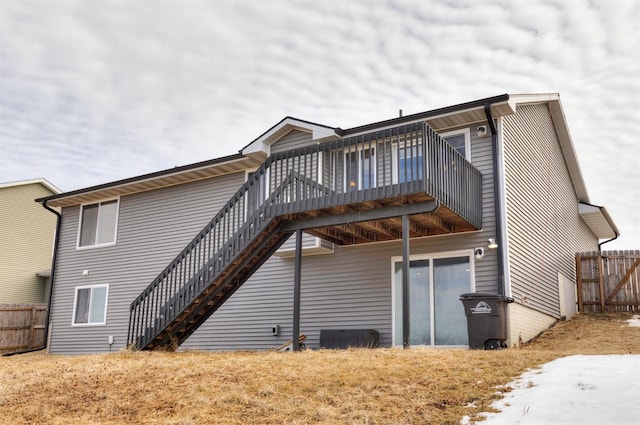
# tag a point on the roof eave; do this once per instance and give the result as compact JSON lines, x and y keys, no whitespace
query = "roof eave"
{"x":436,"y":117}
{"x":598,"y":220}
{"x":150,"y":181}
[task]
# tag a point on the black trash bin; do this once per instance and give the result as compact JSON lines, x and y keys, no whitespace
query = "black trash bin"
{"x":486,"y":319}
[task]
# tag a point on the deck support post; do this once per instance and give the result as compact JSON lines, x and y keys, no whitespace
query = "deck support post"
{"x":405,"y":281}
{"x":296,"y":291}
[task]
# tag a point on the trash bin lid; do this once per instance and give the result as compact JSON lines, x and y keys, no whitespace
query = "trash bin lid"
{"x":481,"y":296}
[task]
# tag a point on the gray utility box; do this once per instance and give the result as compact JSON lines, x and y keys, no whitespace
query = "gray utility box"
{"x":345,"y":338}
{"x":486,"y":319}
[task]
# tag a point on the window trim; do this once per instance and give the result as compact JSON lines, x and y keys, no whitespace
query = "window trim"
{"x":430,"y":257}
{"x":467,"y":139}
{"x":115,"y":229}
{"x":75,"y":304}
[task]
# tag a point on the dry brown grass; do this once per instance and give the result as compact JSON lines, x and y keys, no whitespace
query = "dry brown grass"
{"x":383,"y":386}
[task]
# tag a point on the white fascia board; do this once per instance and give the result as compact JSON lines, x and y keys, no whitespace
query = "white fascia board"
{"x":523,"y":99}
{"x":264,"y":142}
{"x":41,"y":181}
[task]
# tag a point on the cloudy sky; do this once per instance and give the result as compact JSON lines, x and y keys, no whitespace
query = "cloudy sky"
{"x":92,"y":92}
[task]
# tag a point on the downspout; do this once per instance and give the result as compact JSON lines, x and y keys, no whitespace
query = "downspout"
{"x":53,"y":272}
{"x":496,"y":197}
{"x":607,"y":241}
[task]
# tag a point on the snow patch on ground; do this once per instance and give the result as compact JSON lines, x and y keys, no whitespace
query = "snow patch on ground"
{"x":571,"y":390}
{"x":576,"y":389}
{"x":634,"y":321}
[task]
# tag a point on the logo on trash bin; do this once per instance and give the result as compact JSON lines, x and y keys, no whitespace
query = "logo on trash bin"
{"x":481,"y":308}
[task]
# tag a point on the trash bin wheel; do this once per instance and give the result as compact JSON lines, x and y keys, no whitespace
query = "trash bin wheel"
{"x":492,"y":344}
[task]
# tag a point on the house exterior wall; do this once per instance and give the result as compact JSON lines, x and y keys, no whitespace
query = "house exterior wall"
{"x":543,"y":226}
{"x":351,"y":288}
{"x":292,"y":140}
{"x":27,"y":233}
{"x":525,"y":324}
{"x":153,"y":227}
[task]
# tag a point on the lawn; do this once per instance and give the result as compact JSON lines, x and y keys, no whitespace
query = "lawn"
{"x":358,"y":386}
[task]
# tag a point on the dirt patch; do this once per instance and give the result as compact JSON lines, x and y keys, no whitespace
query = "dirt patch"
{"x":382,"y":386}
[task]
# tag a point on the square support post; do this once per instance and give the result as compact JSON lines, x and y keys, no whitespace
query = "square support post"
{"x":405,"y":281}
{"x":296,"y":291}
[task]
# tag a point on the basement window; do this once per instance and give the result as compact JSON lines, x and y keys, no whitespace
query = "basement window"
{"x":90,"y":305}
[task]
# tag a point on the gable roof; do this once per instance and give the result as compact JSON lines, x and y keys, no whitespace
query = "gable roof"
{"x":284,"y":126}
{"x":253,"y":154}
{"x":44,"y":182}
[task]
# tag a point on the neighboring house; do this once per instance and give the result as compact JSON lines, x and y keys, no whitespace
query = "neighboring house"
{"x":27,"y":234}
{"x":155,"y":259}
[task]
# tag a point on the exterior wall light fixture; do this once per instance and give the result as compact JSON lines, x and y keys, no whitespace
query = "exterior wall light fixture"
{"x":492,"y":243}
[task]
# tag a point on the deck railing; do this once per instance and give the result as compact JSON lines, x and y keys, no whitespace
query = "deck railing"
{"x":383,"y":164}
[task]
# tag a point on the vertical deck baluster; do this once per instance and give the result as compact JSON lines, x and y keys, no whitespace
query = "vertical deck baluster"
{"x":385,"y":178}
{"x":425,"y":170}
{"x":132,"y":323}
{"x":182,"y":269}
{"x":156,"y":303}
{"x":146,"y":323}
{"x":298,"y":184}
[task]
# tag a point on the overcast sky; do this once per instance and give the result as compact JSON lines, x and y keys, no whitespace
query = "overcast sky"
{"x":95,"y":91}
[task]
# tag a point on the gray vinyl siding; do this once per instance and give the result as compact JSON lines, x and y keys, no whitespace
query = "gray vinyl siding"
{"x":292,"y":140}
{"x":351,"y":288}
{"x":152,"y":229}
{"x":543,"y":225}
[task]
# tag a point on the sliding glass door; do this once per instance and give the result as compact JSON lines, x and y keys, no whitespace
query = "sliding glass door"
{"x":436,"y":315}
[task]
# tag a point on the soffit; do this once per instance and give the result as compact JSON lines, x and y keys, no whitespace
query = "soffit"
{"x":155,"y":181}
{"x":468,"y":116}
{"x":598,"y":220}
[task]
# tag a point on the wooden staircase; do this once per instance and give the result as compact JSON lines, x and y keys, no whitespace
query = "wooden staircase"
{"x":209,"y":269}
{"x":220,"y":289}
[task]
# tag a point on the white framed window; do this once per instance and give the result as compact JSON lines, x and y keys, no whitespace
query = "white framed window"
{"x":360,"y":169}
{"x":436,"y":281}
{"x":90,"y":305}
{"x":460,"y":140}
{"x":98,"y":223}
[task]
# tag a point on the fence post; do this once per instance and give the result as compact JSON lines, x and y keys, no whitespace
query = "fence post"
{"x":579,"y":282}
{"x":603,"y":307}
{"x":32,"y":328}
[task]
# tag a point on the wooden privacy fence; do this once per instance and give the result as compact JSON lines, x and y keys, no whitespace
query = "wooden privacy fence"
{"x":22,"y":326}
{"x":608,"y":281}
